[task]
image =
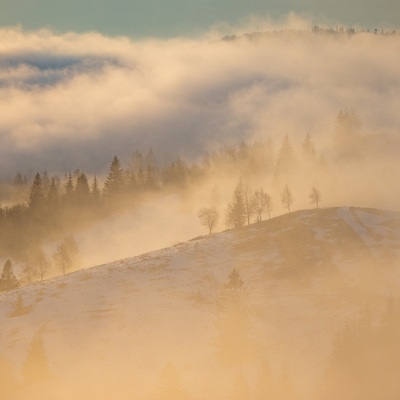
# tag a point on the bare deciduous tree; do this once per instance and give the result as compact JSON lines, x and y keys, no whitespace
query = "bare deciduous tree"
{"x":315,"y":196}
{"x":208,"y":217}
{"x":287,"y":198}
{"x":262,"y":203}
{"x":249,"y":202}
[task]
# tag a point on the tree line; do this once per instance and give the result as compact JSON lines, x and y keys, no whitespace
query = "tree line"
{"x":56,"y":207}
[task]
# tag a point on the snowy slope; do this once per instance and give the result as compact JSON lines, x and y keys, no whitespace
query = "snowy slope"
{"x":112,"y":328}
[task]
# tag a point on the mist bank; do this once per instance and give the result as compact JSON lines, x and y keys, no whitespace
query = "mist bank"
{"x":75,"y":100}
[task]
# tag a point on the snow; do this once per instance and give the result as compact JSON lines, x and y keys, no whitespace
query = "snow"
{"x":132,"y":316}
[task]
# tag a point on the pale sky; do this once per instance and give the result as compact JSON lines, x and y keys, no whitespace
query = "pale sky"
{"x":169,"y":18}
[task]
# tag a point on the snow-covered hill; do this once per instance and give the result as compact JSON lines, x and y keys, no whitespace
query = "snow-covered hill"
{"x":110,"y":330}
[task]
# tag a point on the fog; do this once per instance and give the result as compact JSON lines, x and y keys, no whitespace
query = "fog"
{"x":223,"y":115}
{"x":75,"y":100}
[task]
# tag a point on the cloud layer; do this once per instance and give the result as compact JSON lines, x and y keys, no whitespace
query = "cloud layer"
{"x":75,"y":100}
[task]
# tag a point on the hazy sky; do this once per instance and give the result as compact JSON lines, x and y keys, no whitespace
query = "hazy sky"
{"x":73,"y":97}
{"x":169,"y":18}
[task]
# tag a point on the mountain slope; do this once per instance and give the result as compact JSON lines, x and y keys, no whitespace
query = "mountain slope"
{"x":111,"y":329}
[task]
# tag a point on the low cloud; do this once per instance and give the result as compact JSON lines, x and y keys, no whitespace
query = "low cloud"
{"x":74,"y":100}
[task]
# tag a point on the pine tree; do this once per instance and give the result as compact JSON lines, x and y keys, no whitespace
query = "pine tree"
{"x":234,"y":346}
{"x":95,"y":192}
{"x":35,"y":368}
{"x":8,"y":281}
{"x":308,"y":147}
{"x":236,"y":213}
{"x":114,"y":185}
{"x":151,"y":178}
{"x":285,"y":160}
{"x":53,"y":193}
{"x":82,"y":190}
{"x":36,"y":195}
{"x":69,"y":190}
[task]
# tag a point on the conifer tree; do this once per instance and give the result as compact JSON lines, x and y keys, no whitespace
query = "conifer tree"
{"x":151,"y":178}
{"x":36,"y":195}
{"x":285,"y":160}
{"x":53,"y":193}
{"x":69,"y":190}
{"x":115,"y":182}
{"x":8,"y":281}
{"x":308,"y":147}
{"x":46,"y":184}
{"x":95,"y":192}
{"x":234,"y":346}
{"x":236,"y":213}
{"x":82,"y":190}
{"x":35,"y":368}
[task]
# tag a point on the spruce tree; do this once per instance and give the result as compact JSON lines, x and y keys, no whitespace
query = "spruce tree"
{"x":95,"y":192}
{"x":234,"y":346}
{"x":35,"y":368}
{"x":8,"y":281}
{"x":36,"y":195}
{"x":114,"y":185}
{"x":82,"y":190}
{"x":236,"y":213}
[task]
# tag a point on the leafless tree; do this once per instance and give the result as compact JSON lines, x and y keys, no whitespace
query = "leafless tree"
{"x":208,"y":217}
{"x":315,"y":196}
{"x":287,"y":198}
{"x":262,"y":203}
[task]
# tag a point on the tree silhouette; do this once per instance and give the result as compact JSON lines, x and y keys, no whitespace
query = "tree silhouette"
{"x":115,"y":182}
{"x":234,"y":346}
{"x":236,"y":213}
{"x":36,"y":195}
{"x":66,"y":255}
{"x":315,"y":196}
{"x":287,"y":198}
{"x":35,"y":368}
{"x":308,"y":147}
{"x":8,"y":281}
{"x":262,"y":202}
{"x":208,"y":217}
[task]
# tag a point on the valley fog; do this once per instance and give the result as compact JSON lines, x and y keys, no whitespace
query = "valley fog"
{"x":209,"y":218}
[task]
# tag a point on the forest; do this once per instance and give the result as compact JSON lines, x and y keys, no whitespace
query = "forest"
{"x":49,"y":208}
